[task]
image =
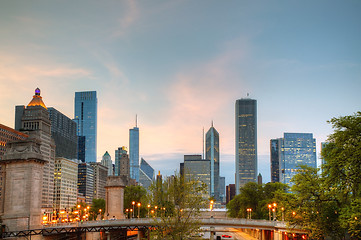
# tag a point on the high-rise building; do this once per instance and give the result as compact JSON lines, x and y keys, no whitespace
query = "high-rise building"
{"x":122,"y":165}
{"x":134,"y":153}
{"x":275,"y":158}
{"x":230,"y":192}
{"x":34,"y":120}
{"x":212,"y":154}
{"x":85,"y":115}
{"x":7,"y":135}
{"x":65,"y":183}
{"x":146,"y":168}
{"x":294,"y":149}
{"x":198,"y":169}
{"x":246,"y":142}
{"x":63,"y":131}
{"x":107,"y":161}
{"x":86,"y":181}
{"x":146,"y":174}
{"x":100,"y":179}
{"x":222,"y":189}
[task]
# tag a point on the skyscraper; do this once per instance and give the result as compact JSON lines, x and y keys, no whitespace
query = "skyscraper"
{"x":122,"y":165}
{"x":63,"y":131}
{"x":34,"y":120}
{"x":107,"y":161}
{"x":85,"y":115}
{"x":134,"y":153}
{"x":198,"y":169}
{"x":100,"y":179}
{"x":275,"y":160}
{"x":246,"y":142}
{"x":212,"y":154}
{"x":294,"y":149}
{"x":86,"y":181}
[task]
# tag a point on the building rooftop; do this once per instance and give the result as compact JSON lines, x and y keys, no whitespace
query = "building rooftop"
{"x":37,"y":100}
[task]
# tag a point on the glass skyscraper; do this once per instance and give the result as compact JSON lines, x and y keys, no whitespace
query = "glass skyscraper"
{"x":134,"y":153}
{"x":246,"y":141}
{"x":212,"y":154}
{"x":85,"y":115}
{"x":294,"y":149}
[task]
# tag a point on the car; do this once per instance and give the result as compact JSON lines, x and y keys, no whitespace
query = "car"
{"x":226,"y":236}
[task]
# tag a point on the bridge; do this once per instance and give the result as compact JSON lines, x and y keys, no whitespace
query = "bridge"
{"x":260,"y":229}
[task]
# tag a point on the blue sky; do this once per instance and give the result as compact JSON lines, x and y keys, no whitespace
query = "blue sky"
{"x":181,"y":64}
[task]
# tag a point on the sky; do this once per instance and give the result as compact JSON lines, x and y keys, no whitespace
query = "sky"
{"x":179,"y":65}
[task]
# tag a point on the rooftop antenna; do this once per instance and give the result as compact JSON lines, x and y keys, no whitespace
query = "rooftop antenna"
{"x":136,"y":120}
{"x":212,"y":123}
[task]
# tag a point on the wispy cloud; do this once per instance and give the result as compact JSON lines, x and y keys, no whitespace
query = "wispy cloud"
{"x":131,"y":13}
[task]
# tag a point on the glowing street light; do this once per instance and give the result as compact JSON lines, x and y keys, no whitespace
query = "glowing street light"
{"x":155,"y":210}
{"x":269,"y":211}
{"x":148,"y":209}
{"x":138,"y":209}
{"x":249,"y":213}
{"x":133,"y":203}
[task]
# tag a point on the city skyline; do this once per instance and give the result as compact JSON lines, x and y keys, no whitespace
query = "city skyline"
{"x":180,"y":65}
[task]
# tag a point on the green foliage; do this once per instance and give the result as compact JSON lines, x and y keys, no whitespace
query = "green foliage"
{"x":97,"y":209}
{"x":178,"y":202}
{"x":136,"y":194}
{"x":257,"y":197}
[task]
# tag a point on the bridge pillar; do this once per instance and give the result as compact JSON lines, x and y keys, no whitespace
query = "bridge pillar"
{"x":114,"y":198}
{"x":23,"y":166}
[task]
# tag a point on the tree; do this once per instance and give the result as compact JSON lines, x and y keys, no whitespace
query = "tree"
{"x":97,"y":207}
{"x":136,"y":194}
{"x":342,"y":169}
{"x":179,"y":201}
{"x":256,"y":197}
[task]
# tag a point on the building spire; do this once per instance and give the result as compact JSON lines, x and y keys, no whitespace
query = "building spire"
{"x":212,"y":123}
{"x":136,"y":120}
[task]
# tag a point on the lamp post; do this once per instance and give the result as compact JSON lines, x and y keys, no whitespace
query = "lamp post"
{"x":211,"y":207}
{"x":283,"y":214}
{"x":155,"y":210}
{"x":133,"y":203}
{"x":148,"y":209}
{"x":138,"y":209}
{"x":269,"y":211}
{"x":131,"y":213}
{"x":249,"y":213}
{"x":274,"y":211}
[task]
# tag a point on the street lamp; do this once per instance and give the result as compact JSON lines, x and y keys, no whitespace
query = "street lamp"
{"x":131,"y":212}
{"x":148,"y":209}
{"x":127,"y":212}
{"x":249,"y":213}
{"x":269,"y":211}
{"x":133,"y":203}
{"x":155,"y":210}
{"x":211,"y":207}
{"x":274,"y":211}
{"x":138,"y":209}
{"x":283,"y":214}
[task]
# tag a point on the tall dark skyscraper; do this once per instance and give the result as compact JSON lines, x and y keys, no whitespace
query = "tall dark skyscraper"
{"x":246,"y":142}
{"x":275,"y":168}
{"x":63,"y":131}
{"x":85,"y":115}
{"x":212,"y":154}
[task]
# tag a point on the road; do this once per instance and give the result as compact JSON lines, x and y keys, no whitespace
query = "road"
{"x":233,"y":232}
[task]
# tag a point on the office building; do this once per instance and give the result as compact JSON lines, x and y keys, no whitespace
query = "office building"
{"x":63,"y":131}
{"x":65,"y":183}
{"x":122,"y":164}
{"x":134,"y":153}
{"x":34,"y":120}
{"x":86,"y":181}
{"x":100,"y":179}
{"x":212,"y":154}
{"x":294,"y":149}
{"x":85,"y":115}
{"x":275,"y":158}
{"x":246,"y":142}
{"x":146,"y":168}
{"x":222,"y":189}
{"x":107,"y":162}
{"x":197,"y":168}
{"x":230,"y":192}
{"x":146,"y":174}
{"x":7,"y":135}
